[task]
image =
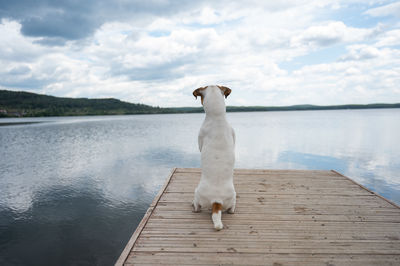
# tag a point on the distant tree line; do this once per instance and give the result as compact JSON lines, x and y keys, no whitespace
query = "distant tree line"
{"x":19,"y":103}
{"x":32,"y":104}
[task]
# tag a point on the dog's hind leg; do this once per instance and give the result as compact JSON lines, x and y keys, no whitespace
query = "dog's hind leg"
{"x":231,"y":209}
{"x":196,"y":206}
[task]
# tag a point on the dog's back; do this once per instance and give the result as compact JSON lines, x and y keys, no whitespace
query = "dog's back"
{"x":216,"y":143}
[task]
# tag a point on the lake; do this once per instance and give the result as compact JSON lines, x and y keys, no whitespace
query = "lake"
{"x":73,"y":189}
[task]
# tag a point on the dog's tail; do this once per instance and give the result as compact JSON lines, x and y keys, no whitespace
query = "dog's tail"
{"x":216,"y":215}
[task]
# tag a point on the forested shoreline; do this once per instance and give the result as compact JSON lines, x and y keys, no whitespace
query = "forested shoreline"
{"x":27,"y":104}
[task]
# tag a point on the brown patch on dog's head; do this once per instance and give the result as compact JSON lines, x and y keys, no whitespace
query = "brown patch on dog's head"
{"x":197,"y":92}
{"x":225,"y":90}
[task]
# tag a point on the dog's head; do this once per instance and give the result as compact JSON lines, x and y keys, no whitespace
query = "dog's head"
{"x":203,"y":91}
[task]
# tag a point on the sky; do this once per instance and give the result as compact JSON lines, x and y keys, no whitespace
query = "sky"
{"x":156,"y":52}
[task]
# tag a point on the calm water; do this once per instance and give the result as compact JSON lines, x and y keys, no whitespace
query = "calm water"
{"x":73,"y":189}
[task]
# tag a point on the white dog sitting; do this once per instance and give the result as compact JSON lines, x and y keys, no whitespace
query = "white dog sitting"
{"x":217,"y":147}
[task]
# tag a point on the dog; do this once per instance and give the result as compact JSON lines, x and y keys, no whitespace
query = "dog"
{"x":217,"y":146}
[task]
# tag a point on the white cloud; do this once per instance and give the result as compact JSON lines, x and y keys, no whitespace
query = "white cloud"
{"x":14,"y":46}
{"x":205,"y":16}
{"x":389,"y":38}
{"x":392,"y":9}
{"x":331,"y":33}
{"x":361,"y":52}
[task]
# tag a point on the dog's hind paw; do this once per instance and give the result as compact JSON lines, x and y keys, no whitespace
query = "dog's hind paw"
{"x":218,"y":226}
{"x":194,"y":209}
{"x":230,"y":211}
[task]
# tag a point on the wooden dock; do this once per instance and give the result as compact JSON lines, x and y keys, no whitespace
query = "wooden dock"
{"x":283,"y":217}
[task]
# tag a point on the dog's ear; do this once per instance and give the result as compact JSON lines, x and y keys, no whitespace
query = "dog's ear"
{"x":225,"y":90}
{"x":197,"y":92}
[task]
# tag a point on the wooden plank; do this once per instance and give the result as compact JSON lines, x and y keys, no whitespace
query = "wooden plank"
{"x":286,"y":190}
{"x":291,"y":211}
{"x":187,"y":197}
{"x":298,"y":184}
{"x":305,"y":245}
{"x":364,"y":248}
{"x":260,"y":229}
{"x":296,"y":217}
{"x":230,"y":258}
{"x":268,"y":175}
{"x":240,"y":171}
{"x":269,"y":225}
{"x":296,"y":209}
{"x":279,"y":235}
{"x":142,"y":224}
{"x":383,"y":198}
{"x":263,"y":202}
{"x":268,"y":201}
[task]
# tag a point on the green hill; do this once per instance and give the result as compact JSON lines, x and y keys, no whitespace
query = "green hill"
{"x":30,"y":104}
{"x":19,"y":103}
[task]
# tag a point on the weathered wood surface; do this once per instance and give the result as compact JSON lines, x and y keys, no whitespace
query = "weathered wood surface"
{"x":283,"y":217}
